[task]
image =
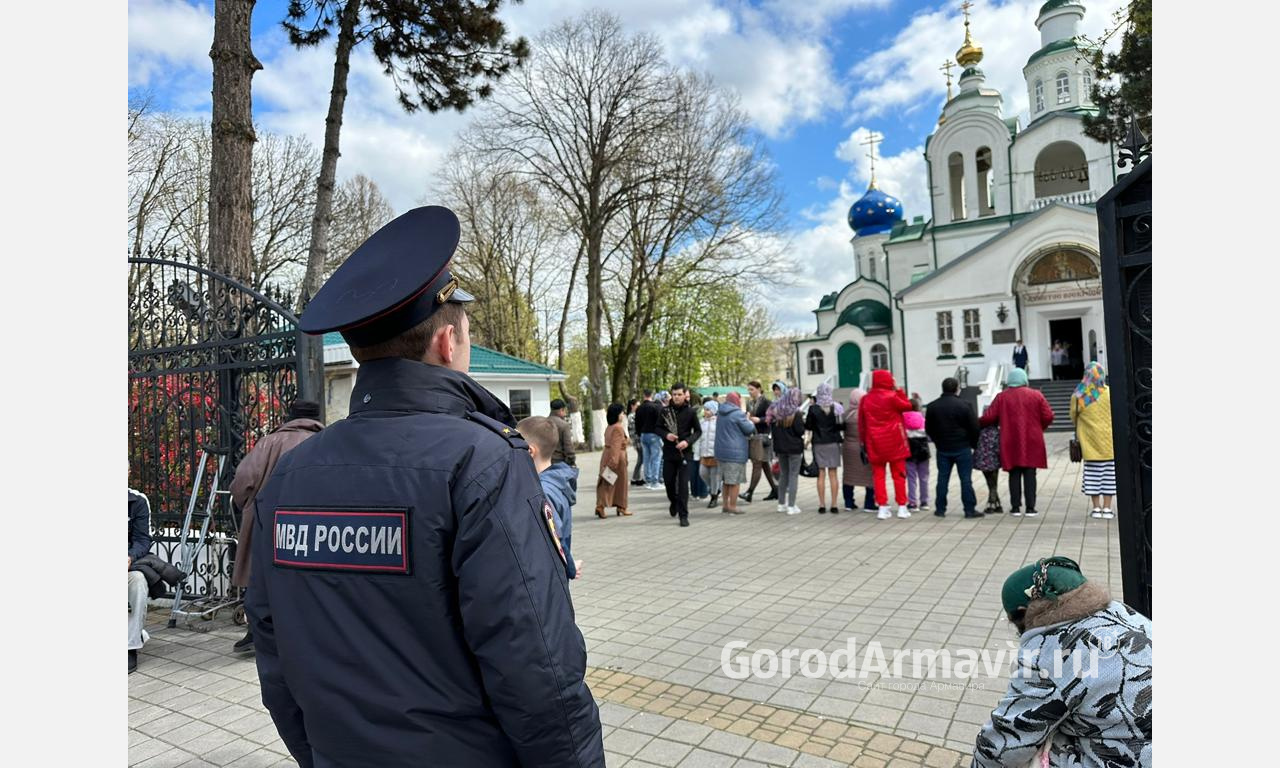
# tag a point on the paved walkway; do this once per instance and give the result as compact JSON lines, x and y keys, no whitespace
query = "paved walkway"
{"x":658,"y":604}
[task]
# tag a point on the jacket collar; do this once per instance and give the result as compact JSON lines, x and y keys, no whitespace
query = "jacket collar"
{"x":396,"y":384}
{"x":301,"y":425}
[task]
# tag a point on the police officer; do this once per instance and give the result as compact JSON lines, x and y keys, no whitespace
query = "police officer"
{"x":408,"y":601}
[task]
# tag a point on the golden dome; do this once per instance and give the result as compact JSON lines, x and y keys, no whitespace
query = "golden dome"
{"x":970,"y":53}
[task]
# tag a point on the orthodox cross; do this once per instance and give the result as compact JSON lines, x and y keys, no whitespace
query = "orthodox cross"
{"x":873,"y":139}
{"x":946,"y":70}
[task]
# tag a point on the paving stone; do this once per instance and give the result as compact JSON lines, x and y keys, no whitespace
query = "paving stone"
{"x":772,"y":754}
{"x":728,"y":743}
{"x":626,"y":742}
{"x":701,"y":758}
{"x":664,"y":752}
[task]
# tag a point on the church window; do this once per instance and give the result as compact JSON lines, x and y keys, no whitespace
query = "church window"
{"x":879,"y":357}
{"x":972,"y":332}
{"x":1064,"y":87}
{"x":945,"y":338}
{"x":986,"y":186}
{"x":955,"y":165}
{"x":1039,"y":95}
{"x":1086,"y":92}
{"x":815,"y":361}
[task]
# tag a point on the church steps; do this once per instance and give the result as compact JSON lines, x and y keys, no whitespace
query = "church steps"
{"x":1058,"y":393}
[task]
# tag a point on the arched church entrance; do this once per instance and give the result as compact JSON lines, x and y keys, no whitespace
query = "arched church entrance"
{"x":1059,"y":294}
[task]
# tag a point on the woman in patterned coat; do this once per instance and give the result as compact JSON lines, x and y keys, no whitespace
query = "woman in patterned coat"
{"x":1082,"y":684}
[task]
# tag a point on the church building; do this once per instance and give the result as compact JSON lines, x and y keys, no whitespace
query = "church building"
{"x":1008,"y":251}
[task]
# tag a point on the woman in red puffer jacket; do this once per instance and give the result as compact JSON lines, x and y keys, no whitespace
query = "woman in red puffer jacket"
{"x":880,"y":429}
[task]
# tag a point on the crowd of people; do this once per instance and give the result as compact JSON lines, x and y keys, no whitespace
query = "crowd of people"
{"x":877,"y":439}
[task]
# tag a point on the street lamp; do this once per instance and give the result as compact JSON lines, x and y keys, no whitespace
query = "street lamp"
{"x":1002,"y":313}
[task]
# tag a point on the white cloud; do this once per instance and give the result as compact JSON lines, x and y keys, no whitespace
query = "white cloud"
{"x":815,"y":13}
{"x":905,"y":76}
{"x":167,"y":36}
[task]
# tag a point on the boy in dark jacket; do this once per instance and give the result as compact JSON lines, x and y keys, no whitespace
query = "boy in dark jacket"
{"x":559,"y":484}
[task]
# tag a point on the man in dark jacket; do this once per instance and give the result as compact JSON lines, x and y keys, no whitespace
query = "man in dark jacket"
{"x":649,"y":427}
{"x":953,"y":427}
{"x":564,"y":453}
{"x":682,"y":430}
{"x":407,"y":600}
{"x":139,"y":545}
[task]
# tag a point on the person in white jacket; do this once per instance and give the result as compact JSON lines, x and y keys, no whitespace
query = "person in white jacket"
{"x":708,"y":469}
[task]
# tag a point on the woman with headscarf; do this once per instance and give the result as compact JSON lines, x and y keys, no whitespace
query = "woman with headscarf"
{"x":881,"y":430}
{"x":1023,"y":415}
{"x":857,"y":472}
{"x":733,"y":429}
{"x":825,"y":421}
{"x":1091,"y":415}
{"x":1080,"y":693}
{"x":613,"y":493}
{"x":787,"y":429}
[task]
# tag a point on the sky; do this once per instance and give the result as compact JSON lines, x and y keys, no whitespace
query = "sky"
{"x":815,"y":77}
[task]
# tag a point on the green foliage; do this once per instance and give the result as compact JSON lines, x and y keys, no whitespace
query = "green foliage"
{"x":708,"y":332}
{"x":1122,"y":82}
{"x":434,"y":52}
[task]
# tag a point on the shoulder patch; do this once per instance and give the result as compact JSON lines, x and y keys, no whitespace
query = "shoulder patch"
{"x":504,"y":431}
{"x":361,"y":540}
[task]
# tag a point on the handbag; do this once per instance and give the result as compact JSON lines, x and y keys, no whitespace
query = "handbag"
{"x":708,"y":461}
{"x":808,"y":468}
{"x":1073,"y":449}
{"x":608,"y":475}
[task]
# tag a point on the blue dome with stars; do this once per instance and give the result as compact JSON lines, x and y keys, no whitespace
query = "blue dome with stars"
{"x":875,"y":212}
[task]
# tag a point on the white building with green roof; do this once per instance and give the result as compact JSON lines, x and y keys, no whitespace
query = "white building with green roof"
{"x":1009,"y":248}
{"x":523,"y":385}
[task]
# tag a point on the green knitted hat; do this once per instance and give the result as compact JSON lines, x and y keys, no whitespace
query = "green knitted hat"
{"x":1048,"y":577}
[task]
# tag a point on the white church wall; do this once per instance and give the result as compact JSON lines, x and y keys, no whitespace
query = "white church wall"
{"x":830,"y":349}
{"x":1032,"y":142}
{"x":966,"y":132}
{"x":906,"y":259}
{"x":826,"y":321}
{"x":926,"y":366}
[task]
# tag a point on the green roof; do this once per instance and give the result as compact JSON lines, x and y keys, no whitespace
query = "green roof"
{"x":828,"y":301}
{"x":868,"y":314}
{"x":1054,"y":47}
{"x":1049,"y":6}
{"x":483,"y":360}
{"x":970,"y":71}
{"x":904,"y":232}
{"x":721,"y":389}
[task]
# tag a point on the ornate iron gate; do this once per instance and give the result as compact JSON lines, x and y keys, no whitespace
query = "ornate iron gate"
{"x":1124,"y":227}
{"x":212,"y":363}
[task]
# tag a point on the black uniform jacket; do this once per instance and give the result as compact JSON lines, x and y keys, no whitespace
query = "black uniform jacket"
{"x":408,"y":603}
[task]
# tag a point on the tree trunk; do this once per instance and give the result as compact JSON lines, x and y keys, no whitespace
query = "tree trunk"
{"x":595,"y":360}
{"x":231,"y":166}
{"x":564,"y":320}
{"x":323,"y":215}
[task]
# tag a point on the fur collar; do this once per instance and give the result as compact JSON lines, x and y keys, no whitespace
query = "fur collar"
{"x":1087,"y":599}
